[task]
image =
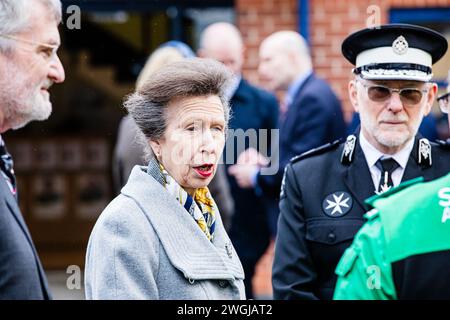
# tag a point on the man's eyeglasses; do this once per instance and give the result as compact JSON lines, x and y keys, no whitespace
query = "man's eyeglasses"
{"x":48,"y":51}
{"x":444,"y":102}
{"x":408,"y":96}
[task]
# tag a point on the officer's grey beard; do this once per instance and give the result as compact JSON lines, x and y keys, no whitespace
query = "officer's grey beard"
{"x":390,"y":139}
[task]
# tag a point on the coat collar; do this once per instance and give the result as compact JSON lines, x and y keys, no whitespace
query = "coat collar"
{"x":357,"y":174}
{"x":185,"y":244}
{"x":304,"y":83}
{"x":357,"y":177}
{"x":292,"y":109}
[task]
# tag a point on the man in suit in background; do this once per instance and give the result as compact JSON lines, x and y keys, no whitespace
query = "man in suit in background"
{"x":311,"y":114}
{"x":29,"y":65}
{"x":252,"y":109}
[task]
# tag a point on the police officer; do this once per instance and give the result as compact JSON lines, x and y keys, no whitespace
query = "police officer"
{"x":323,"y":191}
{"x":403,"y":251}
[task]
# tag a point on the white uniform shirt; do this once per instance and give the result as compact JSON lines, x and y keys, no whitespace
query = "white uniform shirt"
{"x":372,"y":155}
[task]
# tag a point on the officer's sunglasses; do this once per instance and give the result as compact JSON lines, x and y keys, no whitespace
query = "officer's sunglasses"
{"x":379,"y":93}
{"x":444,"y":102}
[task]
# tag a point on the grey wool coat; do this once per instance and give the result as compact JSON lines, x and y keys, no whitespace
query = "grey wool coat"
{"x":145,"y":245}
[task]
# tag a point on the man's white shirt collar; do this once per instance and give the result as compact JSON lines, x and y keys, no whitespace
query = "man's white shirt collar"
{"x":372,"y":155}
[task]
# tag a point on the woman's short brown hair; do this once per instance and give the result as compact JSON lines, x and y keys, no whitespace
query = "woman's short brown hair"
{"x":187,"y":78}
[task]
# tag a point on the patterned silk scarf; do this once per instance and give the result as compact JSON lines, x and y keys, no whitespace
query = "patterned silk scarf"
{"x":6,"y":167}
{"x":202,"y":207}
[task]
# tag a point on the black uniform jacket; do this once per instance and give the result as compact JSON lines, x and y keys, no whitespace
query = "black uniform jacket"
{"x":321,"y":209}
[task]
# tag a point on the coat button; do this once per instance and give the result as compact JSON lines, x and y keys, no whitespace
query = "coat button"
{"x":331,"y":237}
{"x":223,"y":283}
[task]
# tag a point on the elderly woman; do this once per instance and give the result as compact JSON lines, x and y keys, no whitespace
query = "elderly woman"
{"x":162,"y":237}
{"x":128,"y":152}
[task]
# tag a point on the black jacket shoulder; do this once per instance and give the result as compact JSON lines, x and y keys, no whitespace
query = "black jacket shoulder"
{"x":321,"y":151}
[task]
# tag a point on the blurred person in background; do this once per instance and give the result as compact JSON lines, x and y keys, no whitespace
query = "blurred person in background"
{"x":254,"y":218}
{"x":311,"y":114}
{"x":29,"y":66}
{"x":128,"y":152}
{"x":163,"y":237}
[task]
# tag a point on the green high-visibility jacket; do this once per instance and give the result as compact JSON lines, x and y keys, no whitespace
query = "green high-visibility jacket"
{"x":407,"y":236}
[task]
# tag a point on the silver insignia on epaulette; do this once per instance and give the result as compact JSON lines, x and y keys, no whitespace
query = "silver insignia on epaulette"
{"x":349,"y":149}
{"x":425,"y":152}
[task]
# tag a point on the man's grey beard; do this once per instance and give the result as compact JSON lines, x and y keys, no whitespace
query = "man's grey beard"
{"x":19,"y":113}
{"x":390,"y":140}
{"x":21,"y":105}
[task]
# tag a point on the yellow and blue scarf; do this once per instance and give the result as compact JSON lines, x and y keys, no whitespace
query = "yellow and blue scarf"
{"x":201,"y":207}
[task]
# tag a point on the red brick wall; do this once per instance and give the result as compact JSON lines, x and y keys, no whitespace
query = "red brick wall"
{"x":259,"y":18}
{"x":330,"y":21}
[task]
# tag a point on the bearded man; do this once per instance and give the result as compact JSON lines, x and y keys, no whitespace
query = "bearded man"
{"x":29,"y":65}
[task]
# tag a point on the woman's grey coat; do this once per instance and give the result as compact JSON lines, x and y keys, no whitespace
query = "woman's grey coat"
{"x":145,"y":245}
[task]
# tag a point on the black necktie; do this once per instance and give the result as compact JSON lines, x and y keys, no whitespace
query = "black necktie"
{"x":6,"y":165}
{"x":386,"y":166}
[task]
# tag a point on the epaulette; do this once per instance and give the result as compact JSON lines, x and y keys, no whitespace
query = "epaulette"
{"x":348,"y":152}
{"x":316,"y":151}
{"x":424,"y":158}
{"x":444,"y":144}
{"x":393,"y":190}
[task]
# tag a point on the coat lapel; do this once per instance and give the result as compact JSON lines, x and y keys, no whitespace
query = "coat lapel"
{"x":413,"y":169}
{"x":357,"y":178}
{"x":291,"y":112}
{"x":15,"y":211}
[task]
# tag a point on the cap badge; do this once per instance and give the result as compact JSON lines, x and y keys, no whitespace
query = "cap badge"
{"x":400,"y":45}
